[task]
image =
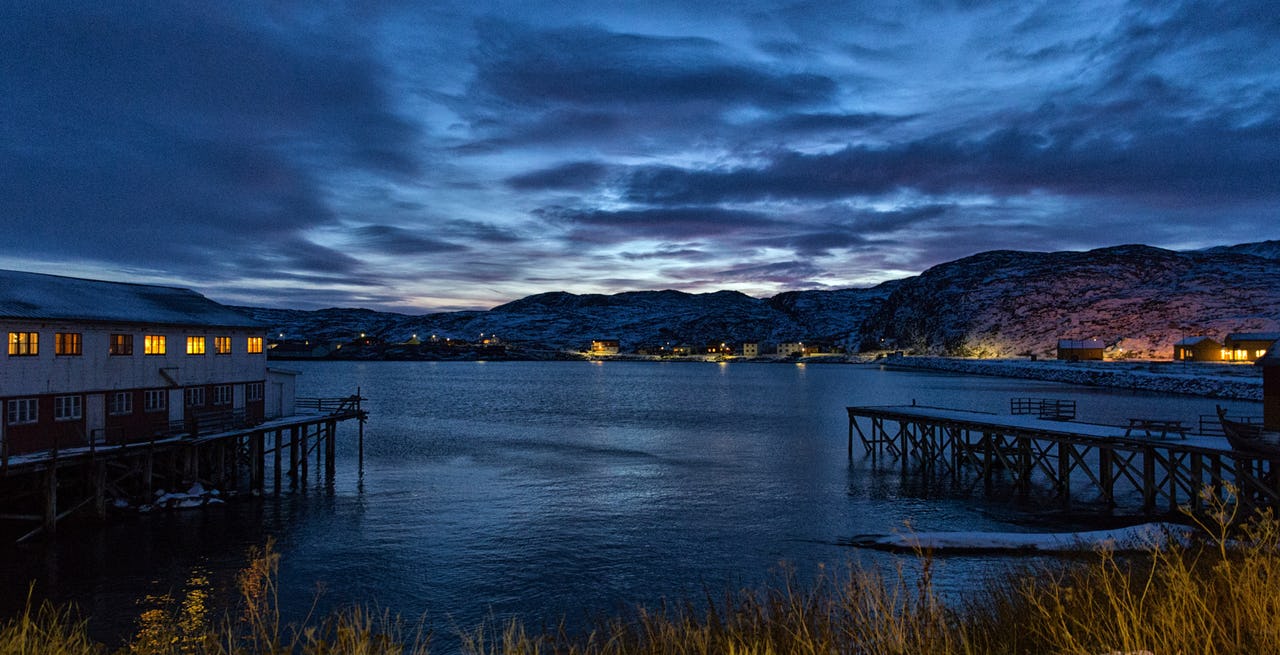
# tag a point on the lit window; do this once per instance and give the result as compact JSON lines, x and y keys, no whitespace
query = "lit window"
{"x":253,"y":392}
{"x":222,"y":394}
{"x":222,"y":345}
{"x":24,"y":343}
{"x":122,"y":344}
{"x":66,"y":343}
{"x":195,"y":345}
{"x":67,"y":408}
{"x":255,"y":346}
{"x":22,"y":410}
{"x":153,"y":344}
{"x":121,"y":403}
{"x":157,"y":400}
{"x":194,"y":396}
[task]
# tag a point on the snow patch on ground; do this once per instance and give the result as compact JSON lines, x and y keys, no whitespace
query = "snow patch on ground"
{"x":1228,"y":381}
{"x":1138,"y":537}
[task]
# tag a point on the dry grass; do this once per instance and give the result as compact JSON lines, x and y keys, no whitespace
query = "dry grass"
{"x":1217,"y":595}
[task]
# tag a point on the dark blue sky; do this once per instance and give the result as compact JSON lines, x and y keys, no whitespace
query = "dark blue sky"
{"x":431,"y":155}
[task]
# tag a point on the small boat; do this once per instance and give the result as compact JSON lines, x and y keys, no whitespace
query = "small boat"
{"x":1250,"y":438}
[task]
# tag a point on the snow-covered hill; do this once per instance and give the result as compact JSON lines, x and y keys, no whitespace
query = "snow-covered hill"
{"x":1138,"y":299}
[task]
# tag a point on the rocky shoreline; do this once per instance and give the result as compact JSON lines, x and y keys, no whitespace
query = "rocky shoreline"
{"x":1232,"y":382}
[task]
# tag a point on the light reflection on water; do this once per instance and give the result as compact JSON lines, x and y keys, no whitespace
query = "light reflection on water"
{"x":544,"y":490}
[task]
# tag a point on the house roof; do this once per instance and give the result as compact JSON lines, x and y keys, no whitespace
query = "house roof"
{"x":1191,"y":341}
{"x":39,"y":296}
{"x":1272,"y":358}
{"x":1081,"y":343}
{"x":1254,"y":336}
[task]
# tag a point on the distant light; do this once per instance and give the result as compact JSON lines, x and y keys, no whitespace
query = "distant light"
{"x":361,"y":335}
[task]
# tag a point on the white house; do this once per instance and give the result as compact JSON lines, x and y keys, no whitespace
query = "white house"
{"x":89,"y":360}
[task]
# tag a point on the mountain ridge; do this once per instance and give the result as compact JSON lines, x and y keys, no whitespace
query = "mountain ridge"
{"x":1139,"y":299}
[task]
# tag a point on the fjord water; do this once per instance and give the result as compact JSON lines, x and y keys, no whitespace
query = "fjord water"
{"x":564,"y":489}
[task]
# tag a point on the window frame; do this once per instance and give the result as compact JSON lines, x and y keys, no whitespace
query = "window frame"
{"x":68,"y":408}
{"x":120,"y":345}
{"x":195,"y":345}
{"x":153,"y":344}
{"x":222,"y":395}
{"x":155,"y":400}
{"x":253,"y":392}
{"x":253,"y":345}
{"x":24,"y":344}
{"x":191,"y":394}
{"x":120,"y":404}
{"x":68,"y":344}
{"x":222,"y":345}
{"x":28,"y":416}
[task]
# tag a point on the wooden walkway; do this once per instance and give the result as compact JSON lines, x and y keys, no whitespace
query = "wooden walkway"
{"x":1064,"y":460}
{"x":45,"y":487}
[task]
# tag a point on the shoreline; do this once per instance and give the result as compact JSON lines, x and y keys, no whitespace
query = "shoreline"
{"x":1228,"y":382}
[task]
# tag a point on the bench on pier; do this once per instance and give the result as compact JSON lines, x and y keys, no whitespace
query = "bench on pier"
{"x":1156,"y":428}
{"x":1054,"y":409}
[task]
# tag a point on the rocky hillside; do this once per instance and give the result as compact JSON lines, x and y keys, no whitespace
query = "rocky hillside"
{"x":1138,"y":299}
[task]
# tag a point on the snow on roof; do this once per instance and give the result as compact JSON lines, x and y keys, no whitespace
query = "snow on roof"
{"x":1191,"y":341}
{"x":39,"y":296}
{"x":1081,"y":343}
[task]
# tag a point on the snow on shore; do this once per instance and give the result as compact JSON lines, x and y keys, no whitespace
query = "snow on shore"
{"x":1228,"y":381}
{"x":1138,"y":537}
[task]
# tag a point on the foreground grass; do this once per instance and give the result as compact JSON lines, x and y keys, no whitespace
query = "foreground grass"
{"x":1217,"y":595}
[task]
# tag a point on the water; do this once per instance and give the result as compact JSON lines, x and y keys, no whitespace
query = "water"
{"x":563,"y":489}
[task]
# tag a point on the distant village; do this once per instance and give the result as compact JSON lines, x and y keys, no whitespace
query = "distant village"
{"x":1233,"y":347}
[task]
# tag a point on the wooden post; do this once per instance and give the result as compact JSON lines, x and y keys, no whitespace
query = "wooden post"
{"x":51,"y":499}
{"x":1105,"y":478}
{"x":330,"y":448}
{"x":293,"y":456}
{"x":989,"y":458}
{"x":850,"y":440}
{"x":1065,"y":451}
{"x":275,"y":460}
{"x":1196,"y":485}
{"x":360,"y":420}
{"x":1148,"y":480}
{"x":100,"y":489}
{"x":303,"y":459}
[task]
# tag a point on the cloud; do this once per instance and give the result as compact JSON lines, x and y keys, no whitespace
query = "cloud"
{"x":387,"y":239}
{"x":573,"y":176}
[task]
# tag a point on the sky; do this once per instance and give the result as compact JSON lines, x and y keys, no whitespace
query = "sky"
{"x":434,"y":156}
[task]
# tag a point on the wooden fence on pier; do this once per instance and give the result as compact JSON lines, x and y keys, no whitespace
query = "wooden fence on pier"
{"x":45,"y":487}
{"x":1064,"y":460}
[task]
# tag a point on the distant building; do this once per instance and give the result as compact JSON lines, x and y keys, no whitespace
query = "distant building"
{"x":604,"y":347}
{"x":750,"y":350}
{"x":790,"y":349}
{"x":93,"y":361}
{"x":1197,"y":349}
{"x":1248,"y":346}
{"x":1076,"y":350}
{"x":297,"y":350}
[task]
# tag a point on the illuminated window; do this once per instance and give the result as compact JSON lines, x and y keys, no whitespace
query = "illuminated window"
{"x":156,"y":400}
{"x":253,"y":391}
{"x":1257,"y":354}
{"x":222,"y":394}
{"x":122,"y":344}
{"x":255,"y":346}
{"x":121,"y":403}
{"x":67,"y":408}
{"x":22,"y":344}
{"x":22,"y":410}
{"x":194,"y":396}
{"x":195,"y":345}
{"x":66,"y":343}
{"x":153,"y":344}
{"x":222,"y":345}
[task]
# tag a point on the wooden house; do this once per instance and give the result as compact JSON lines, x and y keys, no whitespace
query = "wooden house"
{"x":604,"y":347}
{"x":750,"y":350}
{"x":1197,"y":349}
{"x":1077,"y":350}
{"x":1248,"y":346}
{"x":790,"y":349}
{"x":112,"y":362}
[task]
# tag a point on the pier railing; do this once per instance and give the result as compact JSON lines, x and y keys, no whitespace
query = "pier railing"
{"x":1049,"y":408}
{"x":330,"y":405}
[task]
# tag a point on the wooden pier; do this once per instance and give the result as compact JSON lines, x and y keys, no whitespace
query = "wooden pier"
{"x":1111,"y":467}
{"x":45,"y":487}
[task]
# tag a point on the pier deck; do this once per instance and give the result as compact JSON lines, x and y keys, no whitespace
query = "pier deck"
{"x":1070,"y":461}
{"x":45,"y":487}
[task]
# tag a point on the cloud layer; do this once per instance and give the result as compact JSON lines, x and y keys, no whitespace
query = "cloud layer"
{"x":443,"y":156}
